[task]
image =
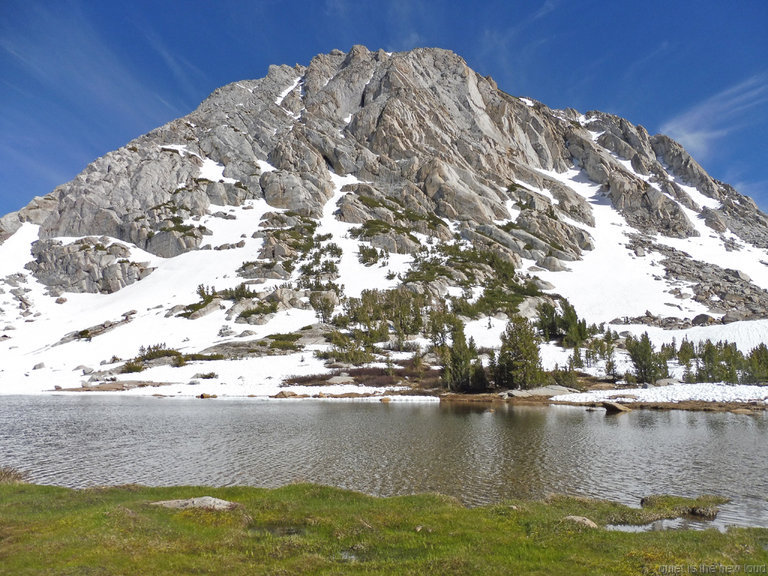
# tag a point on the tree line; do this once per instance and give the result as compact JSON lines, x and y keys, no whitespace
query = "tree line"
{"x":394,"y":315}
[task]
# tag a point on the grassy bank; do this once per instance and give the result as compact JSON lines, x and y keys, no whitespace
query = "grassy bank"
{"x":307,"y":529}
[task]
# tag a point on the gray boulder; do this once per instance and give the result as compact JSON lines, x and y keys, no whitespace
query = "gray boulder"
{"x":86,"y":265}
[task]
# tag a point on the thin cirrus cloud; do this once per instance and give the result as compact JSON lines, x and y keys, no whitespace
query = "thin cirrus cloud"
{"x":728,"y":111}
{"x":187,"y":75}
{"x":400,"y":23}
{"x":68,"y":59}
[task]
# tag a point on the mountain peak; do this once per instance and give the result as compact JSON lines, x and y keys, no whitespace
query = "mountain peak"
{"x":408,"y":157}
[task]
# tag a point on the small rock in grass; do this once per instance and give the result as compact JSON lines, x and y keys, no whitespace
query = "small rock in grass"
{"x":202,"y":502}
{"x":586,"y":522}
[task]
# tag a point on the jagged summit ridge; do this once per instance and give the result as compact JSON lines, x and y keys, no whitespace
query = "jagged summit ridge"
{"x":419,"y":127}
{"x":394,"y":170}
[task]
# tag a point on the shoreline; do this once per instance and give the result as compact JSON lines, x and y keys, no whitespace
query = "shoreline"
{"x":686,"y":405}
{"x":488,"y":400}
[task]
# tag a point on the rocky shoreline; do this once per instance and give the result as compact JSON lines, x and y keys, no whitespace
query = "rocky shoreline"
{"x":538,"y":397}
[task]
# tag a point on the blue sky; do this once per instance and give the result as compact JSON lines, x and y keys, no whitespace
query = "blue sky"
{"x":80,"y":78}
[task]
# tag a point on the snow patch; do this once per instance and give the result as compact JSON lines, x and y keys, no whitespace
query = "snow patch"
{"x":675,"y":393}
{"x":180,"y":148}
{"x":284,"y":93}
{"x":214,"y":172}
{"x":611,"y":281}
{"x":353,"y":275}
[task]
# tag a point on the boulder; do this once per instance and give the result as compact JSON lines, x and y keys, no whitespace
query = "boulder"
{"x":581,"y":521}
{"x":615,"y":407}
{"x":86,"y":265}
{"x":702,"y":320}
{"x":200,"y":502}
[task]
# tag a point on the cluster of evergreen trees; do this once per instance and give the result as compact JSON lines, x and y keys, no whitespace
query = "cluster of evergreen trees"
{"x":517,"y":365}
{"x":377,"y":315}
{"x":705,"y":361}
{"x":564,"y":326}
{"x":721,"y":362}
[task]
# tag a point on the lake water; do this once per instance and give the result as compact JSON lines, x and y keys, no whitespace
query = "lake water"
{"x":479,"y":456}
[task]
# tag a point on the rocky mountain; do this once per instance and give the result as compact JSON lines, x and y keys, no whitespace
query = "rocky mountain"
{"x":279,"y":201}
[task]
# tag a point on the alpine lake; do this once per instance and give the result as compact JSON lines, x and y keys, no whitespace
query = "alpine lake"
{"x":478,"y":454}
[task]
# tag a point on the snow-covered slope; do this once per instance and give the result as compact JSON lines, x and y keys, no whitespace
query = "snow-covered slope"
{"x":365,"y":171}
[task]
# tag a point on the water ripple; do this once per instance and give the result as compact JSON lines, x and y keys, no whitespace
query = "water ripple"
{"x":471,"y":453}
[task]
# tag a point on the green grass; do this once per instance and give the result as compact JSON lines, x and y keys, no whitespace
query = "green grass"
{"x":308,"y":529}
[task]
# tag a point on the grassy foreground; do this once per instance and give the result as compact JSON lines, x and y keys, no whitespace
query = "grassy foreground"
{"x":308,"y":529}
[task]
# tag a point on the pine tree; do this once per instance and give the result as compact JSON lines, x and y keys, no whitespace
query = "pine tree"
{"x":457,"y":373}
{"x":518,"y":364}
{"x":686,"y":353}
{"x":576,"y":360}
{"x":479,"y":378}
{"x":547,"y":321}
{"x":757,"y":365}
{"x":649,"y":365}
{"x":323,"y":305}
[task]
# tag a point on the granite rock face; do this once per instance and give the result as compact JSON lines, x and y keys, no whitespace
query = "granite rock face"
{"x":439,"y":150}
{"x":86,"y":265}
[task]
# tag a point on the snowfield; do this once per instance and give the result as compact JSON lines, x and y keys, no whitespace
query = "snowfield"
{"x":34,"y":362}
{"x":609,"y":282}
{"x":674,"y":393}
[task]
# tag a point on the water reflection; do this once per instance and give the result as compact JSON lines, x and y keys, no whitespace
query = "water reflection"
{"x":470,"y":452}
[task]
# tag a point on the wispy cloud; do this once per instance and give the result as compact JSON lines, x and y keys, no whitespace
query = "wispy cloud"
{"x":514,"y":46}
{"x":495,"y":40}
{"x":404,"y":20}
{"x":69,"y":58}
{"x":338,"y":8}
{"x":719,"y":116}
{"x":401,"y":23}
{"x":546,"y":8}
{"x":184,"y":72}
{"x":634,"y":69}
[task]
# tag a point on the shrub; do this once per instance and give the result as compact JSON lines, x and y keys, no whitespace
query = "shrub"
{"x":156,"y":351}
{"x":238,"y":293}
{"x":368,"y":255}
{"x":565,"y":378}
{"x":345,"y":349}
{"x":324,"y":304}
{"x":284,"y":341}
{"x":262,"y":309}
{"x":10,"y":475}
{"x":203,"y":357}
{"x":132,"y":367}
{"x":206,"y":297}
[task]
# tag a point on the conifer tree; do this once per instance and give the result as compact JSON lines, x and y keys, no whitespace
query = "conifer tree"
{"x":458,"y":368}
{"x":518,"y":364}
{"x":649,"y":365}
{"x":757,"y":365}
